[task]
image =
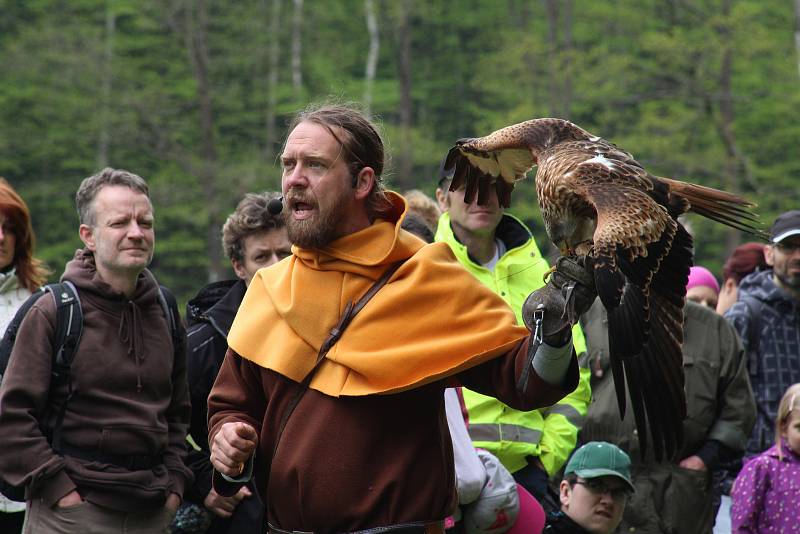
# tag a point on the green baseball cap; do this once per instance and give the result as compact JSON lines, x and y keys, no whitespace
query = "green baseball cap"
{"x":599,"y":459}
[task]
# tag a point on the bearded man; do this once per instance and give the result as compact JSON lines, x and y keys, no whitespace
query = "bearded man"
{"x":331,"y":393}
{"x":767,"y":318}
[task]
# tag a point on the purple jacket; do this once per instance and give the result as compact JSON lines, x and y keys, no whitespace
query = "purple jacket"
{"x":766,"y":495}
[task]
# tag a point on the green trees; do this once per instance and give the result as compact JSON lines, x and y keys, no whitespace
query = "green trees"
{"x":194,"y":95}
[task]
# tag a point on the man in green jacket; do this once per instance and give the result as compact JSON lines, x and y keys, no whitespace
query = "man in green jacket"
{"x":677,"y":497}
{"x":500,"y":251}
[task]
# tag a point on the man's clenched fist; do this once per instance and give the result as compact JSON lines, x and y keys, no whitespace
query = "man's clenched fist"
{"x":231,"y":448}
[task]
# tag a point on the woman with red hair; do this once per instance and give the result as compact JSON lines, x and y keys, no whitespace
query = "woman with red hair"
{"x":743,"y":260}
{"x":20,"y":275}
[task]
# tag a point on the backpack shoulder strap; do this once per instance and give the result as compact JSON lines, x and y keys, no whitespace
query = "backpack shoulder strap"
{"x":69,"y":327}
{"x":69,"y":322}
{"x":10,"y":336}
{"x":170,"y":306}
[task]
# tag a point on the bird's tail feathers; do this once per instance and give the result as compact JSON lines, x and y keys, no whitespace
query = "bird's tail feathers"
{"x":720,"y":206}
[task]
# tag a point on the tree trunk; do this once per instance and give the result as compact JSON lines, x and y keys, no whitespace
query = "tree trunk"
{"x":104,"y":140}
{"x":372,"y":55}
{"x":405,"y":154}
{"x":271,"y":138}
{"x":566,"y":60}
{"x":735,"y":162}
{"x":797,"y":32}
{"x":297,"y":45}
{"x":521,"y":19}
{"x":197,"y":46}
{"x":553,"y":86}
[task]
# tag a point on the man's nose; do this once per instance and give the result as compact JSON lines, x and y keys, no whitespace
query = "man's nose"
{"x":295,"y":178}
{"x":607,"y":495}
{"x":135,"y":231}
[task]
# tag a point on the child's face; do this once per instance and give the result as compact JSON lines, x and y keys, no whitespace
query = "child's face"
{"x":791,"y":430}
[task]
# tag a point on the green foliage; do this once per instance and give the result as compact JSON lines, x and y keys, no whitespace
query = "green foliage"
{"x":644,"y":74}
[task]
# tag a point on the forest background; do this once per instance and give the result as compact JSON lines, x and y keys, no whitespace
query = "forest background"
{"x":195,"y":95}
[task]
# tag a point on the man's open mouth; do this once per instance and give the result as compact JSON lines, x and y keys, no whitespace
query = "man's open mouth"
{"x":301,"y":209}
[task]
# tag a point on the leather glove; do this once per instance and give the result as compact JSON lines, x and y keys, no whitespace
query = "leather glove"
{"x":569,"y":292}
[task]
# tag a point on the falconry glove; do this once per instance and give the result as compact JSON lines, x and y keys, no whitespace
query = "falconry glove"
{"x":549,"y":313}
{"x":557,"y":306}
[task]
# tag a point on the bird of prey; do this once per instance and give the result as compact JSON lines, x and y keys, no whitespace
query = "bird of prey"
{"x":597,"y":201}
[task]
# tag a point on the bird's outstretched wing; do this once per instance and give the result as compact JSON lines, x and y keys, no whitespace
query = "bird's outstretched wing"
{"x":503,"y":157}
{"x":478,"y":172}
{"x":641,"y":266}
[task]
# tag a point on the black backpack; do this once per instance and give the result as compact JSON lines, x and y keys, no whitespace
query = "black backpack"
{"x":69,"y":326}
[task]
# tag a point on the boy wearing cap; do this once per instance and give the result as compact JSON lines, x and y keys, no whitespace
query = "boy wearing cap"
{"x":593,"y":492}
{"x":767,"y":318}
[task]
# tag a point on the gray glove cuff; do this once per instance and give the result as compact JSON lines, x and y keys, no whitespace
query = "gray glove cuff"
{"x":552,"y":363}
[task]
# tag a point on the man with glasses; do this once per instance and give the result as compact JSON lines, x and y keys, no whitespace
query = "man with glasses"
{"x":767,"y":318}
{"x":593,"y":492}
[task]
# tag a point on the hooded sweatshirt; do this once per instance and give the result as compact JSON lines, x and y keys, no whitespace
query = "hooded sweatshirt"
{"x":130,"y":398}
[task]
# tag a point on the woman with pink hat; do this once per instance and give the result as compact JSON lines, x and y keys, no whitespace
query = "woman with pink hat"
{"x":702,"y":288}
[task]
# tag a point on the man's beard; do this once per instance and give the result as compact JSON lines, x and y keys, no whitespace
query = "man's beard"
{"x":790,"y":281}
{"x":318,"y":230}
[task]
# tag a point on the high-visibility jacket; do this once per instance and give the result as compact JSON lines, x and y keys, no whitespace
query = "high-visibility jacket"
{"x":549,"y":433}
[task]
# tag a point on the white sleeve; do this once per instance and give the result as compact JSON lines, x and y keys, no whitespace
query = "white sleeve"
{"x":470,"y":473}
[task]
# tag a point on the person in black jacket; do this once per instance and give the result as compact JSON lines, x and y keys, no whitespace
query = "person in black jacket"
{"x":252,"y":238}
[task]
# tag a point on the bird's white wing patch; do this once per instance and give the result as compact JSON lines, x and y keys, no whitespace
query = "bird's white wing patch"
{"x":601,"y":160}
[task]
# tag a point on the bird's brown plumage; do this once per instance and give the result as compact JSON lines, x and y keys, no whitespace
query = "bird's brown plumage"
{"x":597,"y":200}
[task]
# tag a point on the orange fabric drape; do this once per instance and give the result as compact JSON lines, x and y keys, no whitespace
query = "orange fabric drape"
{"x":432,"y":318}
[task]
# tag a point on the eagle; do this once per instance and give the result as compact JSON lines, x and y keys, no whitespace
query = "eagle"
{"x":599,"y":204}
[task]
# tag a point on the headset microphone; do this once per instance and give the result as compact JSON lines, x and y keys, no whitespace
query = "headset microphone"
{"x":275,"y":206}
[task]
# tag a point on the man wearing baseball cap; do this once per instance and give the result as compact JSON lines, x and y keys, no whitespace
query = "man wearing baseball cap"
{"x":594,"y":491}
{"x":767,"y":318}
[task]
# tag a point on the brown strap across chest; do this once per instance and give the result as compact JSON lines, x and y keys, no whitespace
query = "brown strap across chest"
{"x":333,"y":336}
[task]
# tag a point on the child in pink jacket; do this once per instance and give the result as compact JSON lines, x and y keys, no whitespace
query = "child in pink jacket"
{"x":766,"y":494}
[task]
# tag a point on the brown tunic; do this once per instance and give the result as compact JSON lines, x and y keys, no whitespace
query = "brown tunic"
{"x":352,"y":463}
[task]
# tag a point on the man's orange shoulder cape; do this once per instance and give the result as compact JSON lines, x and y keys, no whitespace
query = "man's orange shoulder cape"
{"x":431,"y":320}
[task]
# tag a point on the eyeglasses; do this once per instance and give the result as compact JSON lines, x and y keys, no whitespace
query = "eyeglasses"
{"x":787,"y":247}
{"x":597,"y":487}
